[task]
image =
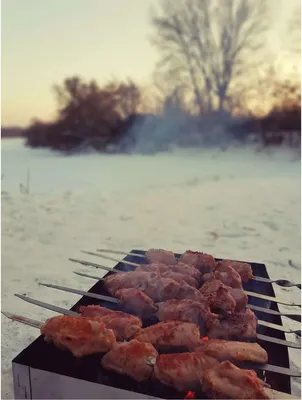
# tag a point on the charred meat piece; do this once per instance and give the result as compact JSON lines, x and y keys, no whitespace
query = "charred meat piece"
{"x":159,"y":255}
{"x":170,"y":334}
{"x":183,"y":371}
{"x":135,"y":301}
{"x":226,"y":381}
{"x":81,"y":335}
{"x":218,"y":296}
{"x":224,"y":350}
{"x":239,"y":325}
{"x":244,"y":269}
{"x":229,"y":277}
{"x":188,"y":311}
{"x":202,"y":261}
{"x":123,"y":325}
{"x":134,"y":359}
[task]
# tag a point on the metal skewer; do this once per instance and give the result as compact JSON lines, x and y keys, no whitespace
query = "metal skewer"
{"x":252,"y":294}
{"x":280,"y":282}
{"x":296,"y":317}
{"x":114,"y":300}
{"x":67,"y":312}
{"x":264,"y":367}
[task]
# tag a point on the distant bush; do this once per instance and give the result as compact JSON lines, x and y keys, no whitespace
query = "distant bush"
{"x":86,"y":114}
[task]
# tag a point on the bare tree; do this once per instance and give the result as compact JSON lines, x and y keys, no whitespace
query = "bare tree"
{"x":128,"y":96}
{"x":209,"y":44}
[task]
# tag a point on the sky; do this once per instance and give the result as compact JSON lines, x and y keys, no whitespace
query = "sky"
{"x":44,"y":41}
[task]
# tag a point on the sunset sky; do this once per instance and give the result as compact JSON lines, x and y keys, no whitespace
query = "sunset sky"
{"x":44,"y":41}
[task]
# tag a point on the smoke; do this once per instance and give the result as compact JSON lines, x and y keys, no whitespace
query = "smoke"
{"x":175,"y":128}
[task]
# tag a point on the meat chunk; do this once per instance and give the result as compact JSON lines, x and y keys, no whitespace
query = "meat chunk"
{"x":240,"y":297}
{"x":170,"y":334}
{"x":226,"y":381}
{"x":134,"y":359}
{"x":229,"y":277}
{"x":187,"y":269}
{"x":225,"y":298}
{"x":224,"y":350}
{"x":192,"y":274}
{"x":188,"y":311}
{"x":135,"y":301}
{"x":80,"y":335}
{"x":202,"y":261}
{"x":152,"y":284}
{"x":167,"y":272}
{"x":218,"y":296}
{"x":125,"y":280}
{"x":161,"y":289}
{"x":178,"y":277}
{"x":243,"y":269}
{"x":182,"y":371}
{"x":159,"y":255}
{"x":123,"y":325}
{"x":236,"y":326}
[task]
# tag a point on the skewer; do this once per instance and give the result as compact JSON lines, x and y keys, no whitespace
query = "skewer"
{"x":296,"y":317}
{"x":38,"y":324}
{"x":123,"y":253}
{"x":280,"y":282}
{"x":93,"y":265}
{"x":252,"y":294}
{"x":114,"y":300}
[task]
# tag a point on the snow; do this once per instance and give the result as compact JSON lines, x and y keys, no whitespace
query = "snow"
{"x":239,"y":204}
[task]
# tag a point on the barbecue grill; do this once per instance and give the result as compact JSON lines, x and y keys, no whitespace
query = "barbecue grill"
{"x":43,"y":371}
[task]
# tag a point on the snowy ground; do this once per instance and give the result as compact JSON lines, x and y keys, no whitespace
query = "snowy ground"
{"x":235,"y":204}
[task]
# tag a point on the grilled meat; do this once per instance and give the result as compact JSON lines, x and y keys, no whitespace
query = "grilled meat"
{"x":182,"y":371}
{"x":125,"y":280}
{"x":161,"y":289}
{"x":202,"y":261}
{"x":80,"y":335}
{"x":188,"y":311}
{"x":170,"y":334}
{"x":218,"y":296}
{"x":135,"y":301}
{"x":134,"y":359}
{"x":229,"y":277}
{"x":224,"y":350}
{"x":152,"y":284}
{"x":239,"y":325}
{"x":226,"y":381}
{"x":240,"y":298}
{"x":123,"y":325}
{"x":222,"y":297}
{"x":165,"y":272}
{"x":162,"y":256}
{"x":243,"y":269}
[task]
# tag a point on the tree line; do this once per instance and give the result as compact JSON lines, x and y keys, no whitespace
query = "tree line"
{"x":213,"y":67}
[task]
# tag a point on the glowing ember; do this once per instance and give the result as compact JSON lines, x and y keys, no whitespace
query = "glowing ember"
{"x":190,"y":395}
{"x":205,"y":338}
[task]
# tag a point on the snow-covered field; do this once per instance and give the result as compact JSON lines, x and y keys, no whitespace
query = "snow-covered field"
{"x":236,"y":204}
